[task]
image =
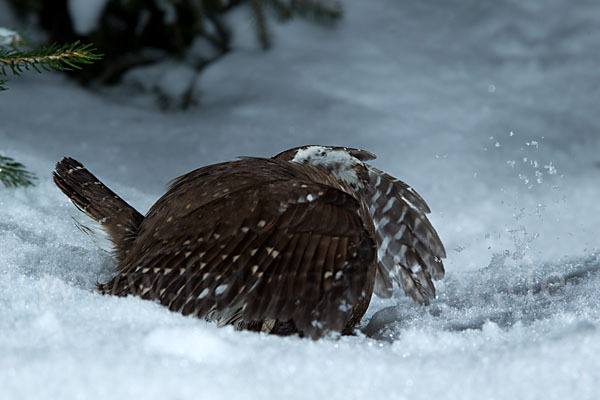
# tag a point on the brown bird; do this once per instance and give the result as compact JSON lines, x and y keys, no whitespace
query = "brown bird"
{"x":294,"y":243}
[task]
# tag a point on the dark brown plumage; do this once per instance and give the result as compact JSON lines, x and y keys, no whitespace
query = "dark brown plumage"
{"x":295,"y":243}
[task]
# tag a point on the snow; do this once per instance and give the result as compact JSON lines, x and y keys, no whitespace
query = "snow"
{"x":85,"y":14}
{"x":488,"y":109}
{"x":8,"y":37}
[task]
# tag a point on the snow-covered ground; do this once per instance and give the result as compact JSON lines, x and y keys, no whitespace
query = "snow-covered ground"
{"x":489,"y":109}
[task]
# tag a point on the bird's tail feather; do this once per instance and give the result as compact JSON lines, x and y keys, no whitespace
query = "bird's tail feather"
{"x":120,"y":220}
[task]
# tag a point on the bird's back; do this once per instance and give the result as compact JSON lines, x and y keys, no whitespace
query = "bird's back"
{"x":255,"y":242}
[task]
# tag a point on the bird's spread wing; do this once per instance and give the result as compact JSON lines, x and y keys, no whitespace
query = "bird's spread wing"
{"x":409,"y":249}
{"x":280,"y":250}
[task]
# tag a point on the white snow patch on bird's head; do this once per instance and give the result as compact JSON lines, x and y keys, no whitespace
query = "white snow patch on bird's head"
{"x":323,"y":155}
{"x":340,"y":162}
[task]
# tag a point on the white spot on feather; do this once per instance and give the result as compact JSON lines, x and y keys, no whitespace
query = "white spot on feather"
{"x":389,"y":189}
{"x":401,"y":219}
{"x":400,"y":232}
{"x":383,"y":222}
{"x":220,"y":289}
{"x":344,"y":306}
{"x":401,"y":255}
{"x":389,"y":205}
{"x":375,"y":196}
{"x":383,"y":246}
{"x":415,"y":268}
{"x":203,"y":293}
{"x":410,"y":204}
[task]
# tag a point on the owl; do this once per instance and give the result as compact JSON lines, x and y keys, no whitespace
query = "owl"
{"x":296,"y":243}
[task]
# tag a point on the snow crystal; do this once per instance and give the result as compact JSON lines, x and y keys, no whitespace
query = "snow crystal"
{"x":551,"y":168}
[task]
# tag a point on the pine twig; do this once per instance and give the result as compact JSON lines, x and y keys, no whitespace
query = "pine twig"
{"x":55,"y":57}
{"x":13,"y":174}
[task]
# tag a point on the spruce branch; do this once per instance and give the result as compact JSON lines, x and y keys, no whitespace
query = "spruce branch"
{"x":54,"y":57}
{"x":14,"y":174}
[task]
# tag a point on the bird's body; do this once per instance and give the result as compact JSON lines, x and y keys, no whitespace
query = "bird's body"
{"x":294,"y":243}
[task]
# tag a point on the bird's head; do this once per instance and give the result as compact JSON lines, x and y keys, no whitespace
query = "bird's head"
{"x":347,"y":164}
